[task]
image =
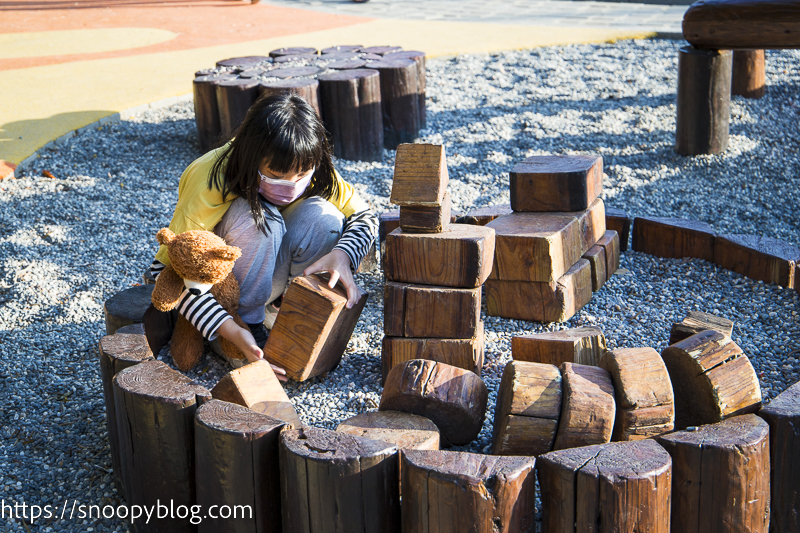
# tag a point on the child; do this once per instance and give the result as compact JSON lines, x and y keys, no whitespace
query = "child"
{"x":272,"y":191}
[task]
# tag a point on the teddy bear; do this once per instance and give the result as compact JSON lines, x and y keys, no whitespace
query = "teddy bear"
{"x":198,"y":259}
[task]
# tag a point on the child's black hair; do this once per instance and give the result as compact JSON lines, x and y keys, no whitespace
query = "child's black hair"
{"x":285,"y":130}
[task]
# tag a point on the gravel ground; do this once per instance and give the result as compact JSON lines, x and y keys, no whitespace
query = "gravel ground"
{"x":69,"y":242}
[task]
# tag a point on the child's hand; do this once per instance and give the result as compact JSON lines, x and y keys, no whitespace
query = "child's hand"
{"x":244,"y":340}
{"x":338,"y":265}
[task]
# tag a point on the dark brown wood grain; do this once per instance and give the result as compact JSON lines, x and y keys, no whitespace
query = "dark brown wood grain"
{"x":419,"y":59}
{"x":380,"y":50}
{"x":126,"y":307}
{"x":591,"y":223}
{"x":483,"y":215}
{"x":429,"y":311}
{"x":342,"y":48}
{"x":307,"y":88}
{"x":673,"y":238}
{"x":426,"y":219}
{"x":288,"y":72}
{"x":749,"y":74}
{"x":347,"y":64}
{"x":743,"y":24}
{"x":292,"y":51}
{"x":596,"y":255}
{"x":206,"y":113}
{"x":619,"y":221}
{"x":697,"y":321}
{"x":399,"y":100}
{"x":465,"y":353}
{"x":244,"y":62}
{"x":610,"y":242}
{"x":583,"y":345}
{"x":420,"y":175}
{"x":760,"y":258}
{"x":234,"y":98}
{"x":556,"y":183}
{"x":588,"y":407}
{"x":158,"y":327}
{"x":404,"y":430}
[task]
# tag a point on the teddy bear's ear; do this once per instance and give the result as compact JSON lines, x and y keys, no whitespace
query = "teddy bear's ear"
{"x":228,"y":253}
{"x":165,"y":236}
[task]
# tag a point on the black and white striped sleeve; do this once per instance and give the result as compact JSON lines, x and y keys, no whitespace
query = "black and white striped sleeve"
{"x":156,"y":267}
{"x":203,"y":312}
{"x":359,"y":232}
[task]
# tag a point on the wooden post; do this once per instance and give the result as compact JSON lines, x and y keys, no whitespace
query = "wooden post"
{"x":695,"y":322}
{"x":673,"y":238}
{"x":342,"y":48}
{"x":749,"y":73}
{"x":295,"y":57}
{"x":720,"y":476}
{"x":236,"y":457}
{"x":588,"y":407}
{"x":234,"y":98}
{"x":292,"y":51}
{"x":404,"y":430}
{"x":556,"y":183}
{"x":347,"y":64}
{"x":307,"y":88}
{"x":127,"y":307}
{"x":399,"y":101}
{"x":704,"y":101}
{"x":206,"y":112}
{"x":584,"y":345}
{"x":380,"y":50}
{"x":761,"y":258}
{"x":244,"y":62}
{"x":158,"y":327}
{"x":285,"y":73}
{"x":419,"y":59}
{"x":465,"y":353}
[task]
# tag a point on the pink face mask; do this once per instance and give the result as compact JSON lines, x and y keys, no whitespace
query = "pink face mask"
{"x":282,"y":192}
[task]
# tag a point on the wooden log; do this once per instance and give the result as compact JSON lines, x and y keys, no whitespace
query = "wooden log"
{"x":132,"y":329}
{"x":307,"y":88}
{"x":313,"y":327}
{"x":388,"y":222}
{"x":720,"y":476}
{"x":763,"y":24}
{"x":619,"y":221}
{"x":404,"y":430}
{"x":244,"y":62}
{"x":451,"y":492}
{"x":712,"y":379}
{"x":695,"y":322}
{"x":351,"y":108}
{"x":234,"y":98}
{"x":126,"y":307}
{"x":610,"y":243}
{"x":295,"y":58}
{"x":256,"y":72}
{"x":541,"y":302}
{"x":621,"y":486}
{"x":704,"y":101}
{"x":426,"y":219}
{"x":399,"y":101}
{"x":427,"y":311}
{"x":453,"y":398}
{"x":205,"y":72}
{"x":674,"y":238}
{"x":294,"y":72}
{"x":419,"y":59}
{"x":783,"y":416}
{"x":596,"y":255}
{"x":483,"y":215}
{"x":644,"y":399}
{"x":292,"y":51}
{"x":342,"y":48}
{"x":459,"y":257}
{"x":527,"y":410}
{"x":749,"y":74}
{"x":158,"y":327}
{"x":335,"y":482}
{"x":420,"y":175}
{"x":584,"y":345}
{"x":556,"y":182}
{"x":236,"y":453}
{"x":760,"y":258}
{"x":347,"y":64}
{"x":380,"y":50}
{"x":588,"y":407}
{"x":206,"y":112}
{"x":155,"y":408}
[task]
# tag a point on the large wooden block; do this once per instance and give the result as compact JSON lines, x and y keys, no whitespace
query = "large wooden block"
{"x":427,"y":311}
{"x":588,"y":408}
{"x":695,"y":322}
{"x":483,"y":215}
{"x":760,"y":258}
{"x":596,"y":255}
{"x":404,"y":430}
{"x":462,"y":256}
{"x":674,"y":238}
{"x":541,"y":302}
{"x":424,"y":218}
{"x":591,"y":224}
{"x":313,"y":327}
{"x":556,"y":182}
{"x":584,"y":345}
{"x":420,"y":175}
{"x":610,"y":243}
{"x":619,"y":221}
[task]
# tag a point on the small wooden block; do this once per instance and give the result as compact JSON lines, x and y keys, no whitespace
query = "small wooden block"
{"x":388,"y":221}
{"x":541,"y":302}
{"x":528,"y":408}
{"x":256,"y":387}
{"x":592,"y":223}
{"x":588,"y":407}
{"x":426,"y":219}
{"x":759,"y":258}
{"x":483,"y":215}
{"x":712,"y":379}
{"x":404,"y":430}
{"x":720,"y":476}
{"x":610,"y":243}
{"x":619,"y":221}
{"x":695,"y":322}
{"x":584,"y":345}
{"x":127,"y":307}
{"x":597,"y":261}
{"x":420,"y":175}
{"x":427,"y":311}
{"x":645,"y":403}
{"x":556,"y":183}
{"x":673,"y":238}
{"x":459,"y":257}
{"x":453,"y":398}
{"x":313,"y":327}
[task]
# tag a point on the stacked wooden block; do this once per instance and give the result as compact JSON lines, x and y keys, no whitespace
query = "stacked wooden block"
{"x":434,"y":269}
{"x":553,"y":250}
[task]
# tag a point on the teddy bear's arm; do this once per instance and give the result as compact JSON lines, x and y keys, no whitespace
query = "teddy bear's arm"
{"x":168,"y":289}
{"x":227,"y":293}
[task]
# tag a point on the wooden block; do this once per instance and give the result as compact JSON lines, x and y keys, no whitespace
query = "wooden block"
{"x":541,"y":302}
{"x":459,"y":257}
{"x":673,"y":238}
{"x":535,"y":246}
{"x":127,"y":307}
{"x":619,"y":221}
{"x":454,"y":492}
{"x":247,"y":471}
{"x":695,"y":322}
{"x":528,"y":408}
{"x":610,"y":243}
{"x":556,"y":182}
{"x":749,"y":73}
{"x":783,"y":416}
{"x":597,"y":261}
{"x":483,"y":215}
{"x":712,"y":379}
{"x":621,"y":486}
{"x":760,"y":258}
{"x":420,"y":175}
{"x":591,"y":223}
{"x":765,"y":24}
{"x":313,"y":327}
{"x":720,"y":476}
{"x":584,"y":345}
{"x":453,"y":398}
{"x":404,"y":430}
{"x":427,"y":311}
{"x":426,"y":219}
{"x":333,"y":481}
{"x":388,"y":222}
{"x":588,"y":407}
{"x":256,"y":387}
{"x":643,"y":392}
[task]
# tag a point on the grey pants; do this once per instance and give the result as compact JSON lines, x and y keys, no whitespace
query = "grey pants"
{"x":303,"y":232}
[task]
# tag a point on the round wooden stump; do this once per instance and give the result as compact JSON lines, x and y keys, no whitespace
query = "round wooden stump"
{"x":749,"y":73}
{"x":342,"y":48}
{"x":404,"y":430}
{"x":347,"y":64}
{"x":285,"y":73}
{"x":307,"y":88}
{"x":127,"y":307}
{"x":399,"y":100}
{"x":206,"y":111}
{"x":419,"y":59}
{"x":380,"y":50}
{"x":244,"y":62}
{"x":588,"y":407}
{"x":292,"y":51}
{"x":234,"y":98}
{"x":294,"y":57}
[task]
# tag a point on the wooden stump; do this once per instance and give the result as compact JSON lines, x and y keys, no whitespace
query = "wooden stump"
{"x":399,"y":100}
{"x":158,"y":327}
{"x":346,"y":64}
{"x":342,"y":48}
{"x":426,"y":219}
{"x":420,"y":175}
{"x":127,"y":307}
{"x":453,"y":398}
{"x":760,"y":258}
{"x":527,"y":410}
{"x":584,"y":345}
{"x":587,"y":409}
{"x":619,"y":221}
{"x":453,"y":492}
{"x":155,"y":409}
{"x":351,"y":108}
{"x":380,"y":50}
{"x":463,"y":353}
{"x":427,"y":311}
{"x":285,"y":73}
{"x":236,"y":451}
{"x":695,"y":322}
{"x":644,"y":398}
{"x":253,"y":72}
{"x":295,"y":57}
{"x":610,"y":243}
{"x":419,"y":59}
{"x":720,"y":476}
{"x":483,"y":215}
{"x":783,"y":416}
{"x":674,"y":238}
{"x":244,"y":62}
{"x":292,"y":51}
{"x":749,"y":73}
{"x":596,"y":255}
{"x":622,"y":486}
{"x":335,"y":482}
{"x":712,"y":379}
{"x":234,"y":98}
{"x":556,"y":183}
{"x":206,"y":112}
{"x":307,"y":88}
{"x":313,"y":327}
{"x":704,"y":101}
{"x":404,"y":430}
